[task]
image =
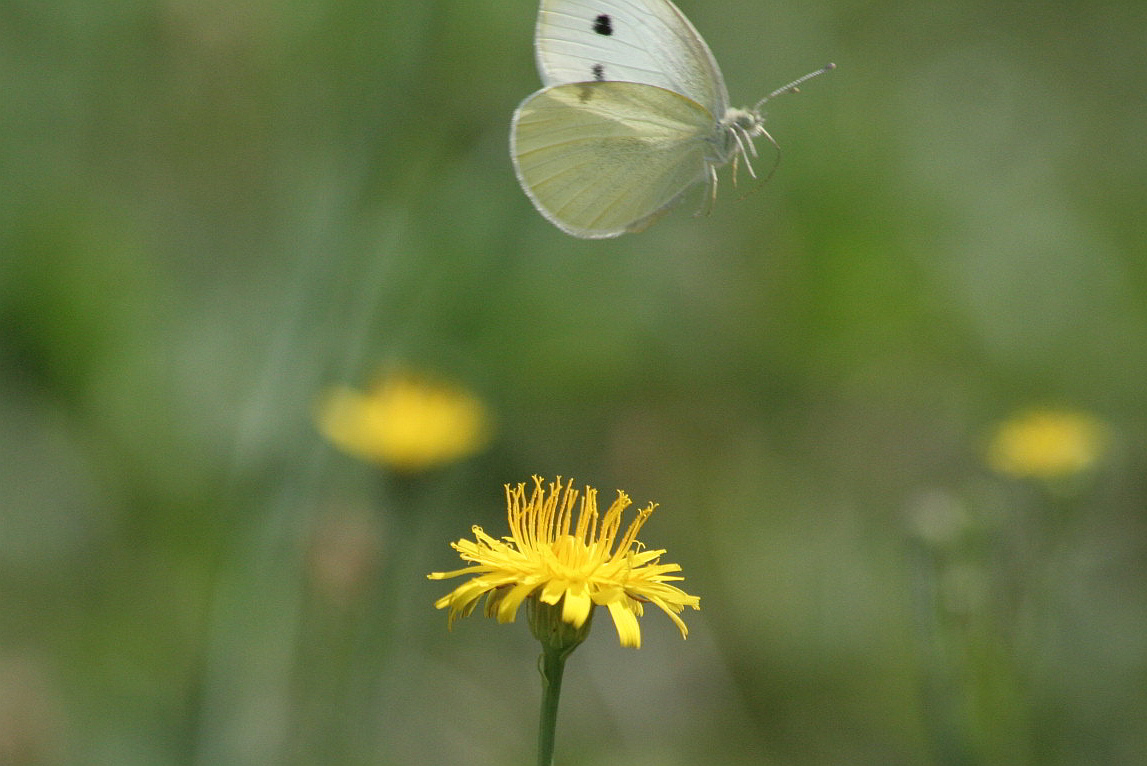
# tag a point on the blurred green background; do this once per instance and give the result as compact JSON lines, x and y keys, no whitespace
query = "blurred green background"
{"x":211,"y":212}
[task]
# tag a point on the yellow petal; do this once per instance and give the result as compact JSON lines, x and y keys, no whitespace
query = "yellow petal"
{"x":577,"y":606}
{"x":508,"y":609}
{"x":628,"y":629}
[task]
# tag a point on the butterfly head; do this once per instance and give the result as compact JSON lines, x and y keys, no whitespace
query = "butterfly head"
{"x":738,"y":127}
{"x":748,"y":122}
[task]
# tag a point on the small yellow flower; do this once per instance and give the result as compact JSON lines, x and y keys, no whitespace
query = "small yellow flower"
{"x":1047,"y":444}
{"x":549,"y":558}
{"x":405,"y":422}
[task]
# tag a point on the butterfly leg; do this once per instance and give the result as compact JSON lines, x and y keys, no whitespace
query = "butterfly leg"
{"x":744,"y":146}
{"x":776,"y":146}
{"x":710,"y":200}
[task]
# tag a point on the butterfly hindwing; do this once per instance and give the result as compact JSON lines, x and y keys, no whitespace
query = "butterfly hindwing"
{"x":599,"y":159}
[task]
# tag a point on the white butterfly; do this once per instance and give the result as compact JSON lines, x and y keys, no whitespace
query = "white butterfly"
{"x":634,"y":111}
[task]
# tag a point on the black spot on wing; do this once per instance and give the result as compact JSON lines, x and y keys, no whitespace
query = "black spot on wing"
{"x":598,"y":72}
{"x":603,"y":25}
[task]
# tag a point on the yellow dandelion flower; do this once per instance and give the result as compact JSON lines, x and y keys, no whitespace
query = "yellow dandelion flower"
{"x":405,"y":422}
{"x":1047,"y":444}
{"x":549,"y":558}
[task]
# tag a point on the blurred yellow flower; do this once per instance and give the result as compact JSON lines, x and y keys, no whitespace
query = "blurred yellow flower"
{"x":549,"y":558}
{"x":404,"y":422}
{"x":1047,"y":444}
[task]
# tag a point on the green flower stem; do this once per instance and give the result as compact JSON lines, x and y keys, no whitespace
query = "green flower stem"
{"x":553,"y":662}
{"x":558,"y":639}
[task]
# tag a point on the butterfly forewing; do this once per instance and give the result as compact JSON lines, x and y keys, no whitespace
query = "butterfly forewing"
{"x":644,"y":41}
{"x":599,"y":159}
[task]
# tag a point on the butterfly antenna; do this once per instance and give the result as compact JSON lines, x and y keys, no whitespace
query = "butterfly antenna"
{"x":794,"y":86}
